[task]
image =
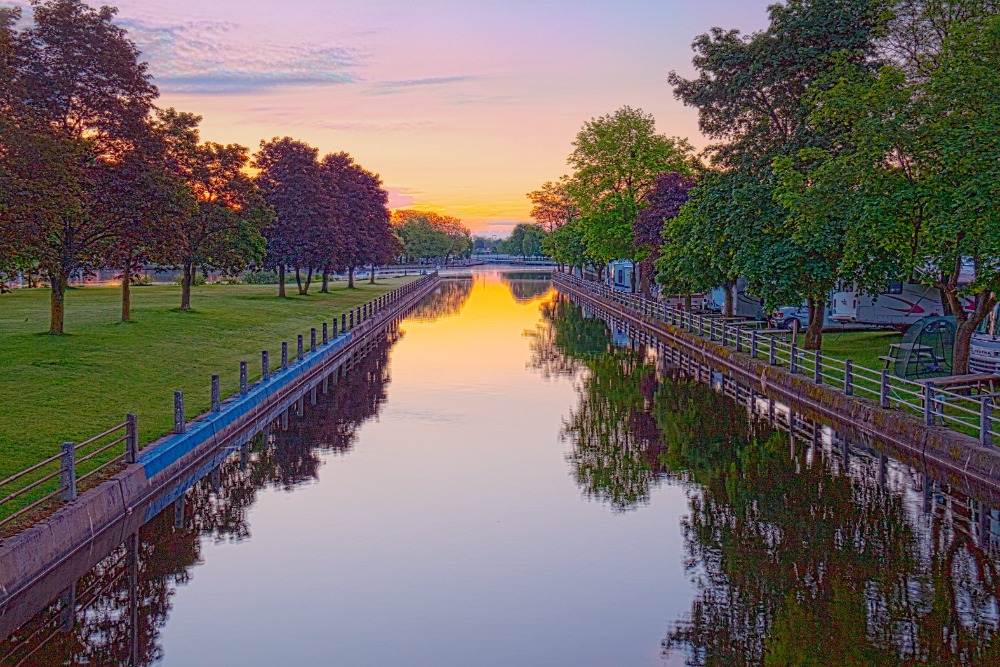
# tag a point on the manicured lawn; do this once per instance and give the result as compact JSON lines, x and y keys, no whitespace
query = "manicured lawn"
{"x":863,"y":347}
{"x":72,"y":387}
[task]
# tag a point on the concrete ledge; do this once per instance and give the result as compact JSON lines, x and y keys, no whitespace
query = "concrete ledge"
{"x":75,"y":528}
{"x":960,"y":454}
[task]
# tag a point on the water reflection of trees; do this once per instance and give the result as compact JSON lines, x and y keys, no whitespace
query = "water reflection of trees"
{"x":797,"y":564}
{"x":564,"y":339}
{"x":526,"y":286}
{"x":615,"y":439}
{"x":797,"y":560}
{"x":94,"y":625}
{"x":447,"y":300}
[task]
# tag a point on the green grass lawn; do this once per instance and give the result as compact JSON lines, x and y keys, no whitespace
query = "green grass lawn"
{"x":72,"y":387}
{"x":862,"y":347}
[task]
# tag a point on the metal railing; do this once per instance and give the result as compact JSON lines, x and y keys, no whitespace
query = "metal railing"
{"x":67,"y":466}
{"x":966,"y":413}
{"x":23,"y":487}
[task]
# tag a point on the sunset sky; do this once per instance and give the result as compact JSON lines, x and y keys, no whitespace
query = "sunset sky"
{"x":462,"y":106}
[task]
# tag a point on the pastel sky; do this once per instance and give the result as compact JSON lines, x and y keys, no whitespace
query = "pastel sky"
{"x":462,"y":106}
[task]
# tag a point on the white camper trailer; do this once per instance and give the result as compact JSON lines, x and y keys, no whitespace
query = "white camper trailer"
{"x":899,"y":306}
{"x":744,"y":304}
{"x":620,"y":275}
{"x":984,"y":356}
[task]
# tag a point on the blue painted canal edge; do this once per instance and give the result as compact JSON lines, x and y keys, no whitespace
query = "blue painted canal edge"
{"x":167,"y":462}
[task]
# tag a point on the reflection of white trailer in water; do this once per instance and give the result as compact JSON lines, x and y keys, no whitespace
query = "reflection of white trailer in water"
{"x":899,"y":306}
{"x":984,"y":356}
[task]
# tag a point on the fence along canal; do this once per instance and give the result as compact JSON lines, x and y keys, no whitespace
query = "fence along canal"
{"x":115,"y":569}
{"x":81,"y":517}
{"x":891,"y":400}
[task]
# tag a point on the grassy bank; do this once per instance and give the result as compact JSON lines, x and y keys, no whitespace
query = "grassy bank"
{"x":71,"y":387}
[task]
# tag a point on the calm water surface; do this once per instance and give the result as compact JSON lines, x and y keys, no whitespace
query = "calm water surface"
{"x":500,"y":485}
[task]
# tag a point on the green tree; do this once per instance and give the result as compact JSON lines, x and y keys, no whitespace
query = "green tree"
{"x":76,"y":96}
{"x":754,"y":95}
{"x":616,"y":159}
{"x":701,"y":242}
{"x":916,"y":178}
{"x":226,"y":230}
{"x":552,"y":206}
{"x":567,"y":247}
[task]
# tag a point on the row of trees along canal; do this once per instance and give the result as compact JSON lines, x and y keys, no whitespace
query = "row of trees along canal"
{"x":855,"y":140}
{"x":93,"y":174}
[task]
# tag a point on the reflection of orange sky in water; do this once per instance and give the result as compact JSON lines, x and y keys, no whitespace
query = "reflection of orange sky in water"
{"x":489,"y":332}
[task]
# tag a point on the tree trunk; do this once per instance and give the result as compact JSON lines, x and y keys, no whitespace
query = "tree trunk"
{"x":127,"y":291}
{"x":814,"y":332}
{"x":298,"y":280}
{"x":962,"y":347}
{"x":186,"y":271}
{"x":728,"y":307}
{"x":57,"y":304}
{"x":350,"y":277}
{"x":325,"y":289}
{"x":372,"y":279}
{"x":281,"y":281}
{"x":633,"y":279}
{"x":687,"y":302}
{"x":309,"y":279}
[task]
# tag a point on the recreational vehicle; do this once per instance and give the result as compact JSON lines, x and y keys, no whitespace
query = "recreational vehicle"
{"x":984,"y":355}
{"x":899,"y":306}
{"x":744,"y":303}
{"x":620,"y":274}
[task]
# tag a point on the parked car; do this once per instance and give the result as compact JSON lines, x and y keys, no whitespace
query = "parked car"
{"x":984,"y":356}
{"x":786,"y":316}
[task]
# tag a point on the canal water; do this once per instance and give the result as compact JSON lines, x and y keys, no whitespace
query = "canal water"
{"x":507,"y":481}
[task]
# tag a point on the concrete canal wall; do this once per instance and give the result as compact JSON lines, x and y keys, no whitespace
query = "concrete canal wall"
{"x":144,"y":487}
{"x":963,"y":456}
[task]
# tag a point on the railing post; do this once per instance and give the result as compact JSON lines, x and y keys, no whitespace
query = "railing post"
{"x":179,"y":412}
{"x":131,"y":438}
{"x":883,"y":389}
{"x":343,"y":323}
{"x":772,"y":353}
{"x":929,"y":403}
{"x":739,"y":337}
{"x":793,"y":361}
{"x":351,"y":320}
{"x":849,"y":377}
{"x":818,"y":368}
{"x":265,"y":365}
{"x":244,"y":378}
{"x":326,"y":333}
{"x":753,"y":344}
{"x":711,"y":330}
{"x":986,"y":420}
{"x":216,"y":401}
{"x":301,"y":348}
{"x":67,"y":474}
{"x":284,"y":355}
